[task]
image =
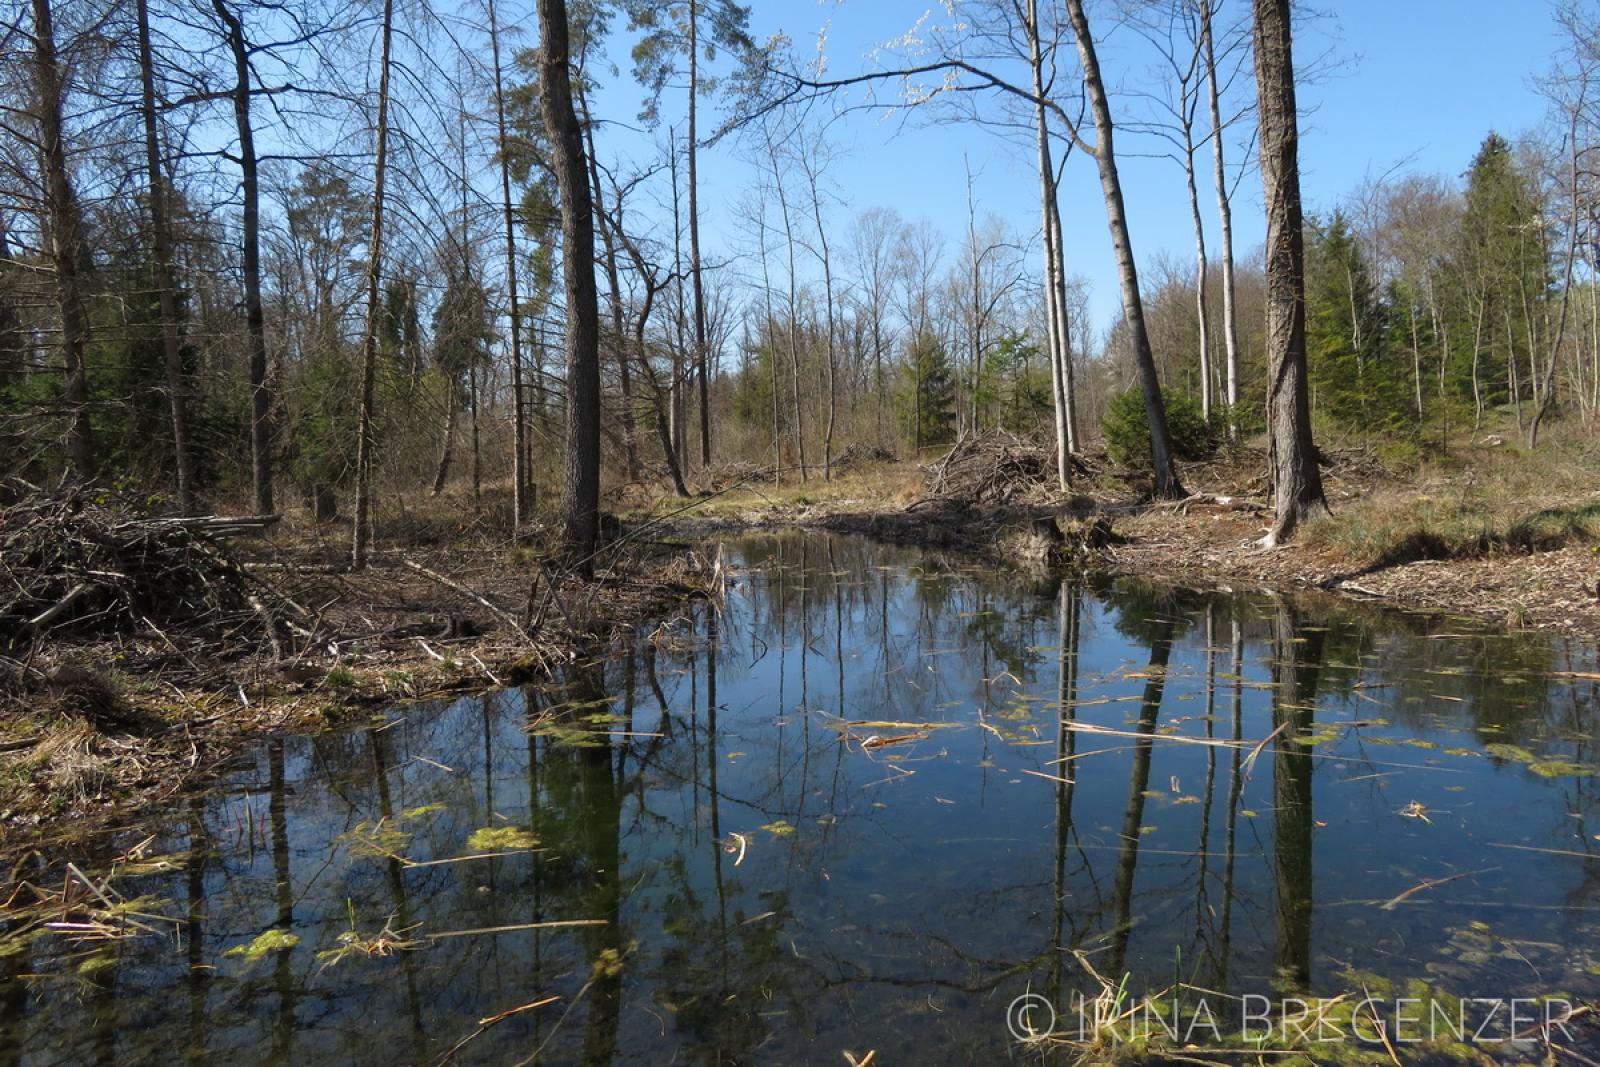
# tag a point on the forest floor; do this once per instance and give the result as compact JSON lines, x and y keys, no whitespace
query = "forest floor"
{"x":1486,"y":530}
{"x":96,"y":724}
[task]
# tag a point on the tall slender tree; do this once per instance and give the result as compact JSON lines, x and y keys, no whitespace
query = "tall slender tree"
{"x":580,"y":503}
{"x":521,"y":490}
{"x":161,"y":236}
{"x":250,"y":259}
{"x":67,"y":249}
{"x":1296,"y":479}
{"x":369,"y":334}
{"x":1230,"y":317}
{"x":1057,"y":324}
{"x":694,"y":29}
{"x":1162,"y":461}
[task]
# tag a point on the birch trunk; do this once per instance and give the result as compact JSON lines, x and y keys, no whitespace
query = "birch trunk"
{"x":1230,"y":320}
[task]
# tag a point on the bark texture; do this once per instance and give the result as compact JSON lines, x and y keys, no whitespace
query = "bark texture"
{"x":580,"y":504}
{"x":1296,"y":479}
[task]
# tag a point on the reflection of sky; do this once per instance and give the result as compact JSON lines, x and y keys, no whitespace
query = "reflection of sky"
{"x":907,"y":890}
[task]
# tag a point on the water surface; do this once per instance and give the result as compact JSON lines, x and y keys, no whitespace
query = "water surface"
{"x":863,"y":807}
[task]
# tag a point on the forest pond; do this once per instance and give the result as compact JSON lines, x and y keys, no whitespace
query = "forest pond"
{"x":861,"y":809}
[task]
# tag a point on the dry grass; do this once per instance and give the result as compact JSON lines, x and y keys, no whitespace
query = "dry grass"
{"x":1477,"y":501}
{"x":878,"y":486}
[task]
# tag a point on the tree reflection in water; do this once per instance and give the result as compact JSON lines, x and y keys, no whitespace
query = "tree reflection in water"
{"x":862,"y":805}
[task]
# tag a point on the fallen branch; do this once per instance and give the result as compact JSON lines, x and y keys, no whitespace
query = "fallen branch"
{"x":457,"y":587}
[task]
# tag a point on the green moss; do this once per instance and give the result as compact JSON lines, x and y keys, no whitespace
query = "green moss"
{"x":382,"y":840}
{"x":273,"y":940}
{"x":501,"y":839}
{"x":1556,"y":768}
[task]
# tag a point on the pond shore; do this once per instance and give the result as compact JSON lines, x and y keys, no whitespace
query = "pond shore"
{"x":95,"y":730}
{"x":117,"y":725}
{"x":1376,"y":544}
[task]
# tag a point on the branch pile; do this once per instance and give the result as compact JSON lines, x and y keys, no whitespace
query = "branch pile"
{"x":995,"y":467}
{"x":78,"y":568}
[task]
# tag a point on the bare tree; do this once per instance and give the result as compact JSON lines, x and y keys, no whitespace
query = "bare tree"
{"x":1571,"y":90}
{"x":1179,"y":31}
{"x":1162,"y":461}
{"x":250,"y":261}
{"x":161,"y":234}
{"x":630,"y":444}
{"x":811,"y":162}
{"x":776,"y":162}
{"x":1296,"y":479}
{"x":1230,"y":316}
{"x":361,"y":531}
{"x":1058,"y":346}
{"x":520,"y":487}
{"x":876,"y":234}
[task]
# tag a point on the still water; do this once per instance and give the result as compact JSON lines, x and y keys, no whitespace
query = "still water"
{"x":861,"y":809}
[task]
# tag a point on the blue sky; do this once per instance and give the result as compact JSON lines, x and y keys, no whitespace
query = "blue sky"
{"x":1416,"y":83}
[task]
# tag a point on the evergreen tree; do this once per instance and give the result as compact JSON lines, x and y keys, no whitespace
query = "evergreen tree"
{"x":1352,"y":381}
{"x":927,"y":398}
{"x":1506,"y":263}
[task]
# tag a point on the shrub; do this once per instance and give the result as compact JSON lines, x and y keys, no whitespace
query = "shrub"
{"x":1128,"y":433}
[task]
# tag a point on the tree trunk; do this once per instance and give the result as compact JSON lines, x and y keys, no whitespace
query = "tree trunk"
{"x":160,"y":226}
{"x":1230,"y":320}
{"x":361,"y":530}
{"x":520,"y":502}
{"x":1296,"y":479}
{"x":254,"y":314}
{"x":677,"y":408}
{"x":701,"y":355}
{"x":827,"y":286}
{"x":473,"y":399}
{"x":68,"y":253}
{"x":452,"y":405}
{"x":580,"y":502}
{"x":1057,"y":346}
{"x":794,"y":311}
{"x":1201,"y":266}
{"x":1575,"y":177}
{"x":1167,"y":485}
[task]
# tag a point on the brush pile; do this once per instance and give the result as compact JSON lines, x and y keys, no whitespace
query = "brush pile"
{"x":862,"y":455}
{"x":995,"y":467}
{"x":73,"y":567}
